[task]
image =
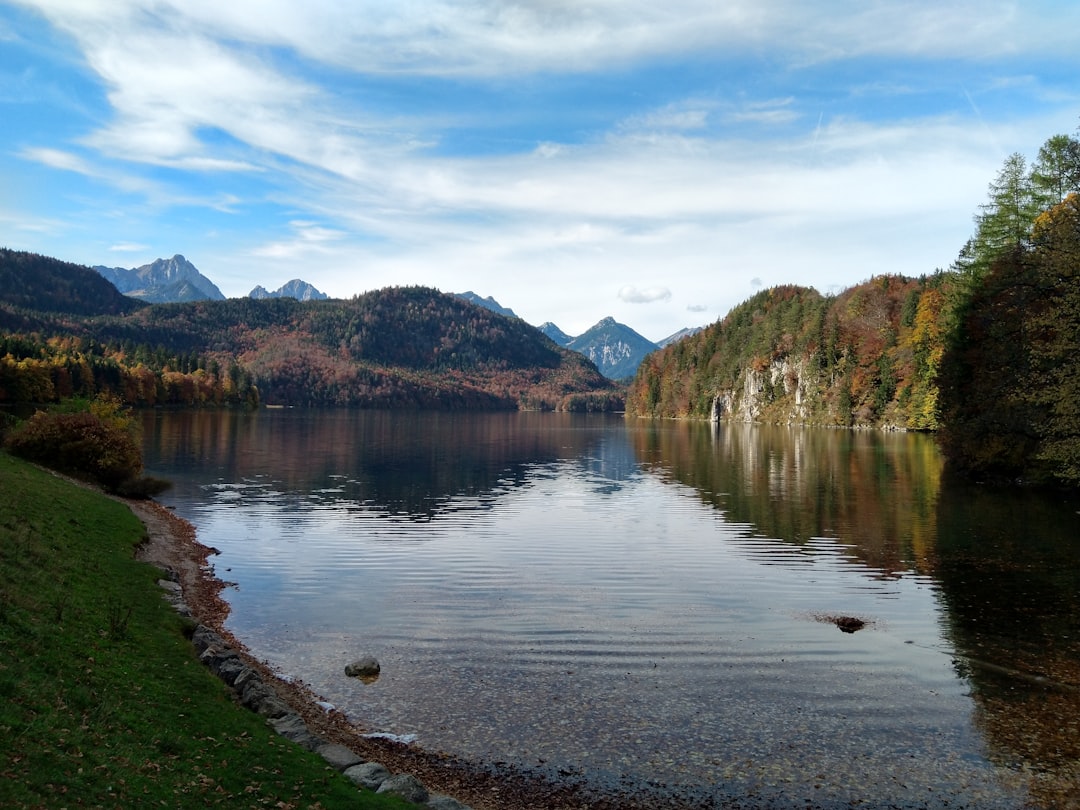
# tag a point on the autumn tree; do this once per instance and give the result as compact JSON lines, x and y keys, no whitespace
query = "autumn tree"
{"x":1054,"y":385}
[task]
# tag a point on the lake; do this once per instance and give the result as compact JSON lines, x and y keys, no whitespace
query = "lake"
{"x":653,"y":606}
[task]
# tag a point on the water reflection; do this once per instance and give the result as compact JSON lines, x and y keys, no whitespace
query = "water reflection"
{"x":1006,"y":564}
{"x":409,"y":464}
{"x":598,"y":594}
{"x":876,"y":493}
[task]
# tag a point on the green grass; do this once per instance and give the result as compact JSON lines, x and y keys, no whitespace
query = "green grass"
{"x":102,"y":701}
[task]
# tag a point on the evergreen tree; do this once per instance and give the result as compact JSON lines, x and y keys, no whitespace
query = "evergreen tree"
{"x":1056,"y":171}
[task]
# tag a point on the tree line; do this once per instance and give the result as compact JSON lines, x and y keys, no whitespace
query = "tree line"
{"x":987,"y":352}
{"x":408,"y":347}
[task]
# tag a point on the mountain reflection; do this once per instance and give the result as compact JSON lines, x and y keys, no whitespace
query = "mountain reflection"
{"x":410,"y":464}
{"x":1006,"y":564}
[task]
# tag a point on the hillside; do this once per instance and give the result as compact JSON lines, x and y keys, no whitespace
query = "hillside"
{"x":398,"y":347}
{"x":986,"y":352}
{"x":790,"y":355}
{"x":34,"y":283}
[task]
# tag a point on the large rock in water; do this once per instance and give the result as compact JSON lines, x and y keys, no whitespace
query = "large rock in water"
{"x":366,"y":668}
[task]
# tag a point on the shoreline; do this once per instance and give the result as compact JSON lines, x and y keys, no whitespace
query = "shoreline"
{"x":172,"y":544}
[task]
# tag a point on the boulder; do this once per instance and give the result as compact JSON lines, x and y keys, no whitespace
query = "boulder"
{"x":204,"y":637}
{"x":230,"y":669}
{"x":438,"y":801}
{"x":292,"y":727}
{"x":405,"y":786}
{"x":338,"y":757}
{"x":272,"y":707}
{"x":367,"y":667}
{"x":369,"y":775}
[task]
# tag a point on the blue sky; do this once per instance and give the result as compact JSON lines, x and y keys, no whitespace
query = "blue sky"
{"x":575,"y":159}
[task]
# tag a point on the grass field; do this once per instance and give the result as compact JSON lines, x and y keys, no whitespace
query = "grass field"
{"x":102,"y":701}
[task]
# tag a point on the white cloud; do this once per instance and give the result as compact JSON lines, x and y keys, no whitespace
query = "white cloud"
{"x":308,"y":238}
{"x":129,"y":247}
{"x":58,"y":159}
{"x":650,"y":295}
{"x":206,"y":97}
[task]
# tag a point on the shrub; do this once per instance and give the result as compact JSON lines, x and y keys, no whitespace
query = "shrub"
{"x":98,"y":444}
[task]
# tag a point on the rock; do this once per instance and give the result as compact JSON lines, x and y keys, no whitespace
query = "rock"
{"x":292,"y":727}
{"x":849,"y":624}
{"x":203,"y":638}
{"x":253,"y":693}
{"x":369,"y":775}
{"x":338,"y":757}
{"x":437,"y":801}
{"x":366,"y":667}
{"x":272,"y":707}
{"x":405,"y":786}
{"x":243,"y":677}
{"x":230,"y":669}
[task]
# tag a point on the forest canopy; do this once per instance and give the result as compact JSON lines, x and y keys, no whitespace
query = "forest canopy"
{"x":986,"y":352}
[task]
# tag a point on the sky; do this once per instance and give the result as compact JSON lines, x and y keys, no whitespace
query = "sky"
{"x":655,"y":162}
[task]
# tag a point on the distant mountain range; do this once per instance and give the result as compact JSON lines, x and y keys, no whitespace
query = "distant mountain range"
{"x":163,"y":281}
{"x":175,"y":280}
{"x":298,"y":289}
{"x":65,"y":330}
{"x":486,"y":303}
{"x":615,"y":348}
{"x":555,"y":333}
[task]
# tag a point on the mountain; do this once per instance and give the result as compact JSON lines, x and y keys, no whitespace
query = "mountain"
{"x":682,"y":333}
{"x":486,"y":303}
{"x":616,"y":349}
{"x":555,"y":333}
{"x":66,"y":331}
{"x":297,"y":288}
{"x":163,"y":281}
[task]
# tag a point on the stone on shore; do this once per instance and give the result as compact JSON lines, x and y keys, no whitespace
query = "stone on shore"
{"x":369,"y":775}
{"x":337,"y":756}
{"x":292,"y":727}
{"x":439,"y":801}
{"x":405,"y":786}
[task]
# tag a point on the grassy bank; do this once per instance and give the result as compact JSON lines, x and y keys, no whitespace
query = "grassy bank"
{"x":102,"y":701}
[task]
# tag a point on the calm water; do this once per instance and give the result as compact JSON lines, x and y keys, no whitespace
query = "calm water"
{"x":649,"y":604}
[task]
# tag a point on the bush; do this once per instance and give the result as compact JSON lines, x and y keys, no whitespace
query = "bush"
{"x":98,"y":444}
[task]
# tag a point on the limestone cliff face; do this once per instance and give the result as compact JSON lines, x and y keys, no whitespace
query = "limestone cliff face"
{"x":785,"y":391}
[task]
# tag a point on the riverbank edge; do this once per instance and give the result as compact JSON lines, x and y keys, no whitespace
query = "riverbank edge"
{"x":190,"y":583}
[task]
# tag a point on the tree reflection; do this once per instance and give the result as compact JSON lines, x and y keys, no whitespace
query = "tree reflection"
{"x":1006,"y":562}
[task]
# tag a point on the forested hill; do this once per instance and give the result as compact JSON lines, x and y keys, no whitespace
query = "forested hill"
{"x":29,"y":281}
{"x":398,"y":347}
{"x":868,"y":356}
{"x":985,"y":352}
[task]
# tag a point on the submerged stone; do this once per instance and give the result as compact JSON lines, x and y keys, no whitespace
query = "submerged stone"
{"x":365,"y":668}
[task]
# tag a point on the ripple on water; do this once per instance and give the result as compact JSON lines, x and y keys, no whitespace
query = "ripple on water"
{"x":629,"y":637}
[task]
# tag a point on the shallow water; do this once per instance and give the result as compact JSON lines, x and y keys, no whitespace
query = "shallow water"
{"x":649,"y":606}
